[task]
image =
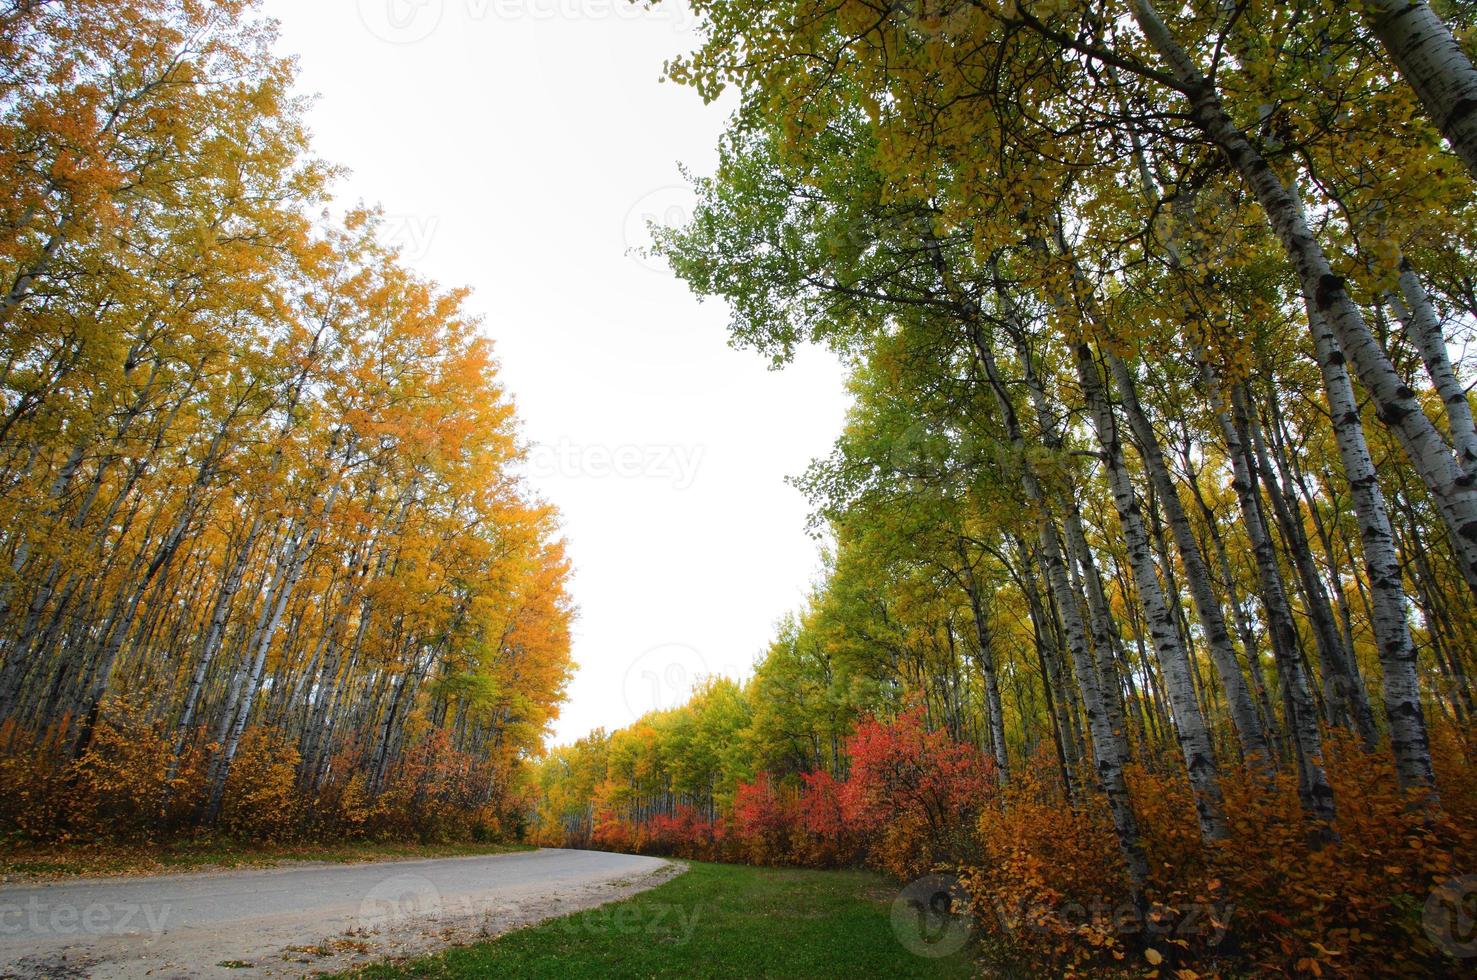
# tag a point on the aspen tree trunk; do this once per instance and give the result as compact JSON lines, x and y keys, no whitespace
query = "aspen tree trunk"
{"x":214,"y":636}
{"x":987,"y":664}
{"x":243,"y":696}
{"x":1329,"y":542}
{"x":1109,"y":748}
{"x":318,"y":739}
{"x":220,"y":614}
{"x":68,"y":471}
{"x":21,"y":285}
{"x":1331,"y":653}
{"x":1086,"y":582}
{"x":1174,"y":662}
{"x":1197,"y":573}
{"x":1445,"y":632}
{"x":1352,"y":693}
{"x":1300,"y":716}
{"x":1433,"y":63}
{"x":1382,"y":564}
{"x":1412,"y":305}
{"x":1191,"y":554}
{"x":1244,"y":624}
{"x":1208,"y":692}
{"x":1398,"y":406}
{"x":19,"y":660}
{"x":1082,"y":569}
{"x":1045,"y":636}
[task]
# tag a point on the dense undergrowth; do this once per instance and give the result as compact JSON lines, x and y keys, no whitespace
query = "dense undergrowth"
{"x":1041,"y":877}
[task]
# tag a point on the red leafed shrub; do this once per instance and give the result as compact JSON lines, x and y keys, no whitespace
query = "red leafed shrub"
{"x":684,"y":833}
{"x":910,"y":803}
{"x":763,"y":821}
{"x":828,"y":840}
{"x":913,"y":794}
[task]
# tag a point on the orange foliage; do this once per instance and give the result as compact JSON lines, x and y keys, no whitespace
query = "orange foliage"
{"x":1050,"y":882}
{"x":120,"y":789}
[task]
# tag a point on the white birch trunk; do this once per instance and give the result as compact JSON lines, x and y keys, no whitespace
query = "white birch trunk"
{"x":1197,"y":573}
{"x":1382,"y":563}
{"x":1413,"y":306}
{"x":1433,"y":63}
{"x":1397,"y":405}
{"x":1174,"y":661}
{"x":1300,"y":716}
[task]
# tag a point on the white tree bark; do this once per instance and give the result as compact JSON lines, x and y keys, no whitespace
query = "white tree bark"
{"x":1109,"y":746}
{"x":1300,"y":717}
{"x":1397,"y":405}
{"x":1413,"y":306}
{"x":1197,"y":572}
{"x":996,"y":719}
{"x":1382,"y":563}
{"x":1433,"y":63}
{"x":1174,"y":661}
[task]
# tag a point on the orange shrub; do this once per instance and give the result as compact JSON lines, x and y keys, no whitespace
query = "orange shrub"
{"x":1049,"y":883}
{"x":261,"y":800}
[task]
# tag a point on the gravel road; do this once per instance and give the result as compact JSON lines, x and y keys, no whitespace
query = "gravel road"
{"x":299,"y":919}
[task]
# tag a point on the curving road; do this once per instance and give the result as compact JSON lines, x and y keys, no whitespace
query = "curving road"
{"x":299,"y":919}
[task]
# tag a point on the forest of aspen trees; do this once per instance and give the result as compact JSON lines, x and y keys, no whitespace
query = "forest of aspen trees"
{"x":268,"y":568}
{"x":1150,"y":596}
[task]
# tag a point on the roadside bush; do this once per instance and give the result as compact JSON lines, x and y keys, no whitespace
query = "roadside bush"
{"x":913,"y":795}
{"x":124,"y":787}
{"x":261,"y":801}
{"x":1049,"y":885}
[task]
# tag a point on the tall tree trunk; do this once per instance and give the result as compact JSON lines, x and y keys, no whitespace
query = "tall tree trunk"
{"x":1326,"y":293}
{"x":1300,"y":716}
{"x":1335,"y":659}
{"x":1109,"y":747}
{"x":1434,"y":64}
{"x":1197,"y":572}
{"x":987,"y":662}
{"x":1416,"y":313}
{"x":1382,"y":565}
{"x":1174,"y":661}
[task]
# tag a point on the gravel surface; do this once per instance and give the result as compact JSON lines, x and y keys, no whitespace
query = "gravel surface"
{"x":302,"y":919}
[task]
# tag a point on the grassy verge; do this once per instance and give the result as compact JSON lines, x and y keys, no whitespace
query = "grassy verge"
{"x":36,"y":862}
{"x":714,"y":921}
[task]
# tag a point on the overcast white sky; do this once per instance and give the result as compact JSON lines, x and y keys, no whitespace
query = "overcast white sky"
{"x":518,"y":146}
